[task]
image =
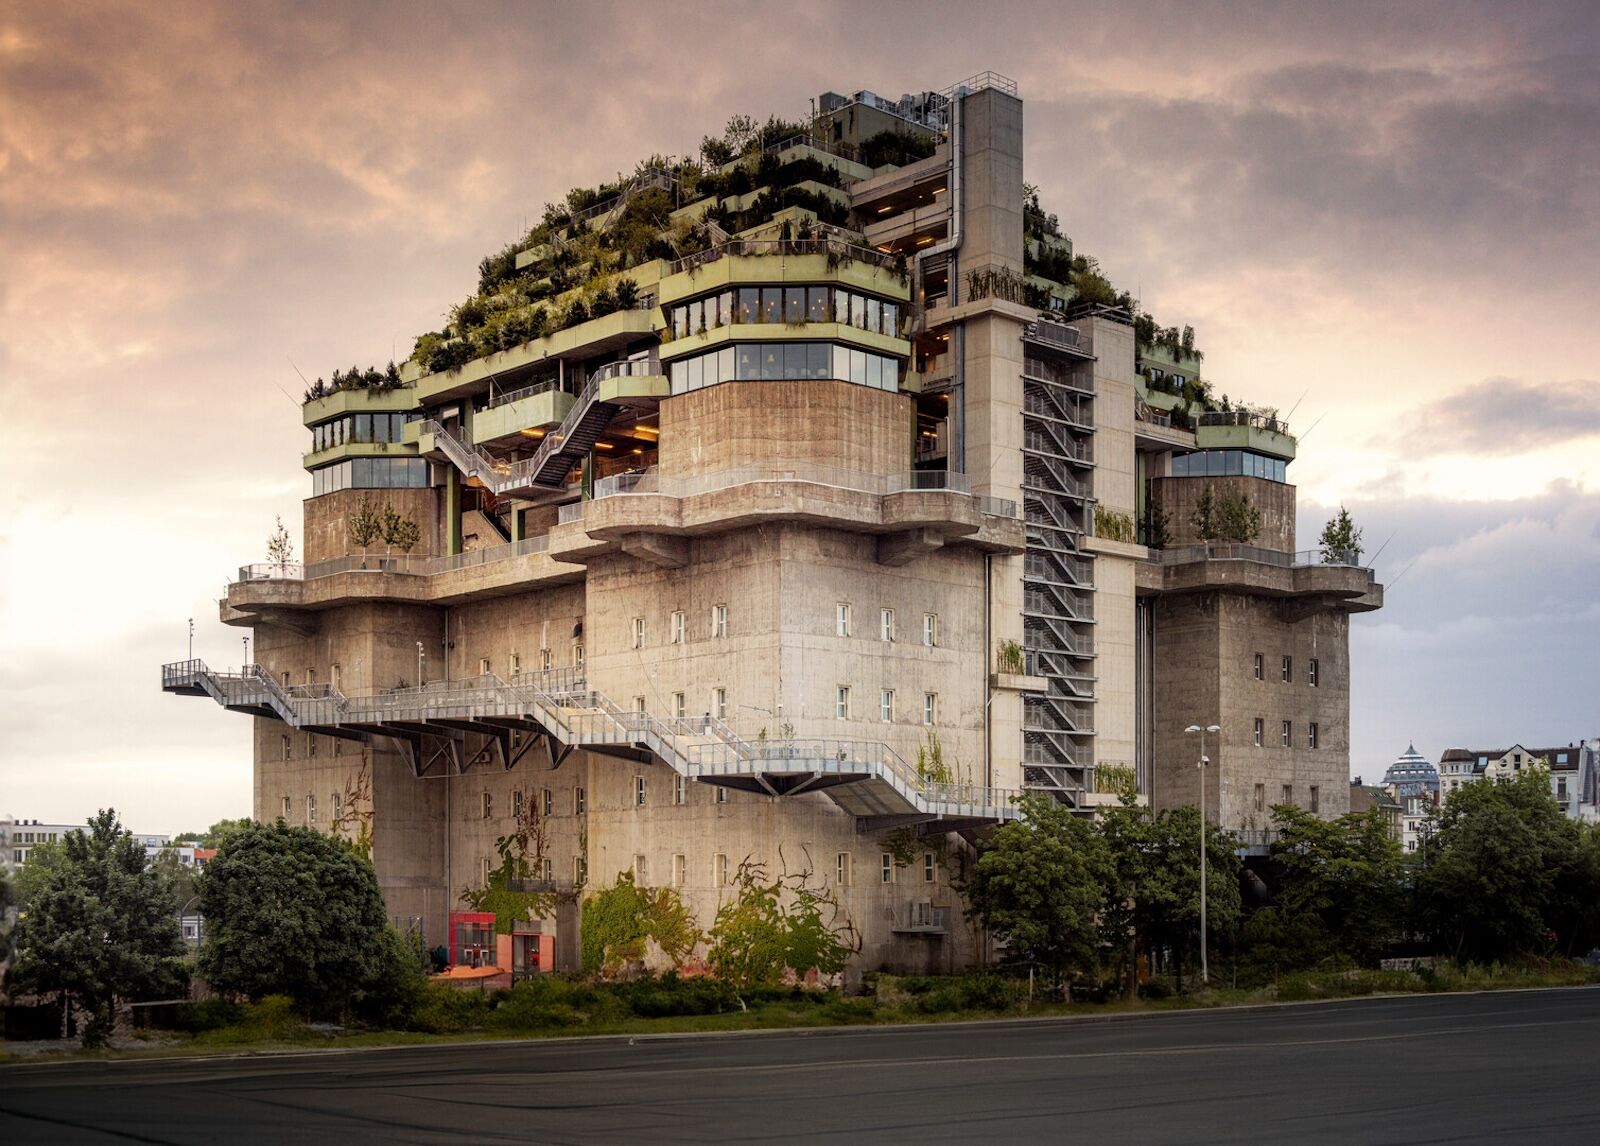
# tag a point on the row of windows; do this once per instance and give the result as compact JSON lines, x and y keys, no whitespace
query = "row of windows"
{"x":1286,"y":670}
{"x":786,"y":304}
{"x":842,"y":706}
{"x":927,"y":867}
{"x":33,"y":837}
{"x":335,"y":805}
{"x":680,"y":787}
{"x":358,"y":428}
{"x":1286,"y":734}
{"x":1230,"y":463}
{"x":546,"y":805}
{"x":311,"y":746}
{"x":370,"y":473}
{"x":843,"y":624}
{"x":678,"y":627}
{"x":785,"y":361}
{"x":1313,"y":803}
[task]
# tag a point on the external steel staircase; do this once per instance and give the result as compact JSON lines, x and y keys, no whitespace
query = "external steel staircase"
{"x":866,"y":778}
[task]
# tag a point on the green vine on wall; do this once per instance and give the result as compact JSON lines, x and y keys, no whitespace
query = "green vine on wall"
{"x":519,"y":852}
{"x":619,"y":920}
{"x":779,"y":926}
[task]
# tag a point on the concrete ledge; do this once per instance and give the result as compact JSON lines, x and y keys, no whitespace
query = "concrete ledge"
{"x":1015,"y":682}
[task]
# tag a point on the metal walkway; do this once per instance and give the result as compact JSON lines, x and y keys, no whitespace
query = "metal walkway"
{"x":430,"y":725}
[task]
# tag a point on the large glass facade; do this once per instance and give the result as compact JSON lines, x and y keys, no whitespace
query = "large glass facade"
{"x":792,"y":305}
{"x":775,"y":361}
{"x":358,"y":428}
{"x":370,"y":473}
{"x":1230,"y":463}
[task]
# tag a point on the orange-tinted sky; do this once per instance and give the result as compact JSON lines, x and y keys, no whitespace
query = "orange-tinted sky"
{"x":1386,"y":217}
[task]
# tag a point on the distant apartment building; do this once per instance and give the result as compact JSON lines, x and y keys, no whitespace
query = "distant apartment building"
{"x":1574,"y":771}
{"x":19,"y":836}
{"x":1366,"y":797}
{"x":807,"y":506}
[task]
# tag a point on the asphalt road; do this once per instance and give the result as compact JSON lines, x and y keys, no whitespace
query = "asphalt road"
{"x":1504,"y":1067}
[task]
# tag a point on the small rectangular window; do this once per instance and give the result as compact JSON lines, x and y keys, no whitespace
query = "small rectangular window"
{"x":1311,"y":735}
{"x":580,"y":870}
{"x":719,"y":621}
{"x":1260,"y":729}
{"x":886,"y":867}
{"x":311,"y":809}
{"x":483,"y":666}
{"x":678,"y":865}
{"x":1261,"y":797}
{"x":1288,"y":794}
{"x":1287,"y":737}
{"x":1259,"y":667}
{"x":1311,"y":672}
{"x":638,"y":632}
{"x":638,"y":791}
{"x":486,"y":805}
{"x":577,"y":655}
{"x":641,"y":871}
{"x":930,"y":629}
{"x":886,"y":705}
{"x":288,"y":747}
{"x":1316,"y":798}
{"x":578,"y":805}
{"x":546,"y":660}
{"x":841,"y":619}
{"x":930,"y":708}
{"x":549,"y":869}
{"x":679,"y":628}
{"x":719,"y":870}
{"x":719,"y":703}
{"x":548,"y":802}
{"x":678,"y":706}
{"x":722,"y":794}
{"x":680,"y":789}
{"x":284,"y":812}
{"x":841,"y":702}
{"x":928,"y":867}
{"x":886,"y":624}
{"x":516,"y":804}
{"x":1288,"y":669}
{"x":638,"y":705}
{"x":841,"y":869}
{"x":483,"y":870}
{"x":516,"y":664}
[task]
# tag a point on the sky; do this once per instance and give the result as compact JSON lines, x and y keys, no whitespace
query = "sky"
{"x":1383,"y":218}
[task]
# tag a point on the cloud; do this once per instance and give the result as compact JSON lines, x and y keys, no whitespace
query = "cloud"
{"x":1501,"y":416}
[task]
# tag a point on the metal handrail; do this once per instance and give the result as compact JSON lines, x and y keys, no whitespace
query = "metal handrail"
{"x":823,"y":246}
{"x":1229,"y":551}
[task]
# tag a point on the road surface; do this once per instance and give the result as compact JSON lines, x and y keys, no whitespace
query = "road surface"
{"x":1504,"y":1067}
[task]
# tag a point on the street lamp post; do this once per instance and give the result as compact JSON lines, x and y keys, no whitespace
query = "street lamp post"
{"x":246,"y":641}
{"x":191,"y":638}
{"x":1205,"y":971}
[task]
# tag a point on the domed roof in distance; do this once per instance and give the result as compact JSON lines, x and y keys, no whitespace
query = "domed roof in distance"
{"x":1412,"y":768}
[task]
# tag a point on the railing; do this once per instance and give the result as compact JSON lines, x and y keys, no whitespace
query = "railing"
{"x":505,"y":399}
{"x":693,"y":746}
{"x":977,"y":83}
{"x":1059,"y":334}
{"x":805,"y":141}
{"x":400,"y":563}
{"x":845,"y":251}
{"x":1228,"y":551}
{"x":1252,"y":418}
{"x":651,"y":482}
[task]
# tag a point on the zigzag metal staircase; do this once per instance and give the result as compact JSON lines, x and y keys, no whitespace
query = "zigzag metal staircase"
{"x":561,"y":449}
{"x":868,"y":779}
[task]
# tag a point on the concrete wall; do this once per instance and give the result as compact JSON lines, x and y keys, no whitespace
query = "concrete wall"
{"x":1179,"y":496}
{"x":778,"y":424}
{"x":327,"y":520}
{"x":1205,"y":646}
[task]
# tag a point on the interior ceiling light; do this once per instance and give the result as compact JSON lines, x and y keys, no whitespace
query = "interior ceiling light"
{"x":604,"y":446}
{"x":531,"y":433}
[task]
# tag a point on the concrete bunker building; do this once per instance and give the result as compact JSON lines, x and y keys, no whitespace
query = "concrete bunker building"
{"x":807,"y":507}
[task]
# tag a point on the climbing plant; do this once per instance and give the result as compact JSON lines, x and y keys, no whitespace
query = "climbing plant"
{"x":774,"y":926}
{"x":620,"y":919}
{"x":520,"y":853}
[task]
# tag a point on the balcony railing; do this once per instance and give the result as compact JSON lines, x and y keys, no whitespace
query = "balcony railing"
{"x":392,"y":563}
{"x":1227,"y":551}
{"x":651,"y":482}
{"x":1252,"y":418}
{"x":840,"y":249}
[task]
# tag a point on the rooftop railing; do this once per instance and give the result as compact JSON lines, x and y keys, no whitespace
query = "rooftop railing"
{"x":393,"y":563}
{"x":845,"y":251}
{"x":1252,"y":418}
{"x":506,"y":398}
{"x":1229,"y":551}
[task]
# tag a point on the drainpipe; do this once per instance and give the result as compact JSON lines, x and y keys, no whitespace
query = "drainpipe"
{"x":988,"y":693}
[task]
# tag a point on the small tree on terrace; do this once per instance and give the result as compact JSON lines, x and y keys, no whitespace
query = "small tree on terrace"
{"x":99,"y":924}
{"x":1341,"y":539}
{"x":365,"y":525}
{"x":280,"y":546}
{"x":400,"y":532}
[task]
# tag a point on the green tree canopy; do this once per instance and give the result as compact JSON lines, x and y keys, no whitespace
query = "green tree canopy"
{"x":215,"y":835}
{"x":1347,"y":875}
{"x":1039,"y":885}
{"x":772,"y":925}
{"x":1341,"y":539}
{"x":1507,"y":873}
{"x":98,"y":924}
{"x":290,"y":911}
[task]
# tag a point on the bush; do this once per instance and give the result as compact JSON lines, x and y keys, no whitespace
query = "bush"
{"x":670,"y":995}
{"x":273,"y":1019}
{"x":209,"y":1015}
{"x":441,"y":1009}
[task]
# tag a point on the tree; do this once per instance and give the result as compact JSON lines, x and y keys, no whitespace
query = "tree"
{"x":1508,"y":874}
{"x":620,"y":919}
{"x":290,"y":911}
{"x":280,"y":546}
{"x":772,"y":926}
{"x":1347,"y":874}
{"x":400,"y":531}
{"x":1225,"y":516}
{"x":1154,"y":897}
{"x":213,"y":836}
{"x":1341,"y":540}
{"x":98,"y":924}
{"x":1039,"y":885}
{"x":365,"y":525}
